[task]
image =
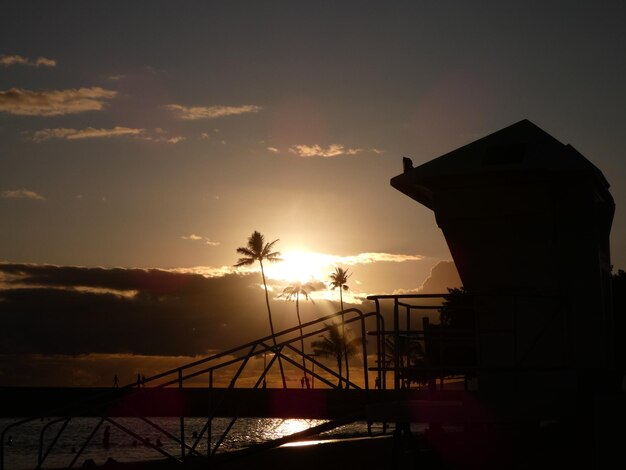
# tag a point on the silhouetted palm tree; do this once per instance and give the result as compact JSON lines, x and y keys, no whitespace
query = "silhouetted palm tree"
{"x":290,"y":292}
{"x":336,"y":345}
{"x":410,"y":353}
{"x":338,"y":280}
{"x":258,"y":250}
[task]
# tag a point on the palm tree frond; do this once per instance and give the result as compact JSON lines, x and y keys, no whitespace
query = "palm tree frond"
{"x":246,"y":251}
{"x":339,"y":278}
{"x":256,"y":242}
{"x":244,"y":262}
{"x":273,"y":257}
{"x":268,"y":246}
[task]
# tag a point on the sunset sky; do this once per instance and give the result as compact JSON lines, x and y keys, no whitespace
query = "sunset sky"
{"x":160,"y":135}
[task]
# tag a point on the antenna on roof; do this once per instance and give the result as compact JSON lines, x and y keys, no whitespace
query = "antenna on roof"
{"x":407,"y":164}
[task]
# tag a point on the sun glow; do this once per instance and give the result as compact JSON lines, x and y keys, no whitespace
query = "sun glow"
{"x":301,"y":266}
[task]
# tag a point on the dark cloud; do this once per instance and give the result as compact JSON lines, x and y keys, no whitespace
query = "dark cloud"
{"x":443,"y":275}
{"x":155,"y":282}
{"x":165,"y":314}
{"x":76,"y":310}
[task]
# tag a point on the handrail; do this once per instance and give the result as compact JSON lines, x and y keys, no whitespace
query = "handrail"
{"x":41,"y":457}
{"x":242,"y":353}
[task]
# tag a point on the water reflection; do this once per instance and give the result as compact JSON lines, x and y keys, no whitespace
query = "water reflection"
{"x":22,"y":454}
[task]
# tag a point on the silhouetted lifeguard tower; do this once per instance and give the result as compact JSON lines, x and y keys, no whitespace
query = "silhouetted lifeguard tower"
{"x":527,"y":220}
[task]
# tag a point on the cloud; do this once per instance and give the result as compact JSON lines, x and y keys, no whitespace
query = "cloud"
{"x":158,"y":135}
{"x":45,"y":62}
{"x":76,"y":310}
{"x":21,"y":194}
{"x":333,"y":150}
{"x":88,"y":133}
{"x":374,"y":257}
{"x":161,"y":136}
{"x":157,"y":281}
{"x":9,"y":60}
{"x":192,"y":113}
{"x":166,"y":140}
{"x":206,"y":271}
{"x":194,"y":237}
{"x":272,"y":149}
{"x":55,"y":317}
{"x":53,"y":102}
{"x":443,"y":275}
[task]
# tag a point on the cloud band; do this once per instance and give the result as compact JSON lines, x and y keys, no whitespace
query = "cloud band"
{"x":53,"y":102}
{"x":192,"y":113}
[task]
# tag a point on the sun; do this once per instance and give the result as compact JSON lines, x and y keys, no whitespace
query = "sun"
{"x":300,"y":266}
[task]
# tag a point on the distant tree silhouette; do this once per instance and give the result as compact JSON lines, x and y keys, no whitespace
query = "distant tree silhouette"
{"x":451,"y":344}
{"x":335,"y":344}
{"x":457,"y":310}
{"x":258,"y":250}
{"x":410,"y":359}
{"x":338,"y":280}
{"x":294,"y":291}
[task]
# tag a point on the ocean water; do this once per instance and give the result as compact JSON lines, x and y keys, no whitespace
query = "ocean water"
{"x":23,"y":451}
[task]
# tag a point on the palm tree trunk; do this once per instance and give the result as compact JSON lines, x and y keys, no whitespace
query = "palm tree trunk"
{"x":343,"y":333}
{"x":301,"y":338}
{"x":269,"y":313}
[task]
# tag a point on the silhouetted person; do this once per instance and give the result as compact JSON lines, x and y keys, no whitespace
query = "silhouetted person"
{"x":143,"y":380}
{"x":138,"y":380}
{"x":302,"y":382}
{"x":307,"y":382}
{"x":116,"y":382}
{"x":106,"y":437}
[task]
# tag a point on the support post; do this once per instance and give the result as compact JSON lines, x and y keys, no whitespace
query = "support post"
{"x":209,"y":423}
{"x":396,"y":351}
{"x":182,"y":416}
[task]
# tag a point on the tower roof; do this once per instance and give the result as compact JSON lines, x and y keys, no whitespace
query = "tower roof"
{"x":517,"y":151}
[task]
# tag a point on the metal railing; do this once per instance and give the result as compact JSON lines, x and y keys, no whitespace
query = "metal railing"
{"x":441,"y":344}
{"x":402,"y":328}
{"x":209,"y":367}
{"x":230,"y":365}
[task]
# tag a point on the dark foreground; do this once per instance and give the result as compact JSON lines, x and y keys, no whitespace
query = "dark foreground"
{"x":358,"y":453}
{"x":474,"y":449}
